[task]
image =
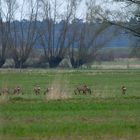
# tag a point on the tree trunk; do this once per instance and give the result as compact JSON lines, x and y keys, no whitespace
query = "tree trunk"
{"x":76,"y":63}
{"x":54,"y":61}
{"x":19,"y":64}
{"x":2,"y":61}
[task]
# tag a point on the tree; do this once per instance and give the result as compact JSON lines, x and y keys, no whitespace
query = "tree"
{"x":130,"y":1}
{"x":134,"y":25}
{"x":127,"y":19}
{"x":91,"y":37}
{"x":119,"y":17}
{"x":131,"y":11}
{"x":6,"y":16}
{"x":2,"y":43}
{"x":134,"y":28}
{"x":55,"y":43}
{"x":24,"y":36}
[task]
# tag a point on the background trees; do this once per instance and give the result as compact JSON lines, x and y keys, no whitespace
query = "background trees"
{"x":52,"y":28}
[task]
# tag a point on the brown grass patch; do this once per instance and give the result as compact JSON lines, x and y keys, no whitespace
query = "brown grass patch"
{"x":59,"y":89}
{"x":4,"y":98}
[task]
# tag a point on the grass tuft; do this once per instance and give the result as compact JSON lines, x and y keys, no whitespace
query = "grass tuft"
{"x":4,"y":98}
{"x":58,"y":90}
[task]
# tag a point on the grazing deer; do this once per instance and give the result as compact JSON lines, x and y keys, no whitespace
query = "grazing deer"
{"x":46,"y":91}
{"x":84,"y":89}
{"x":37,"y":89}
{"x":5,"y":91}
{"x":123,"y":90}
{"x":17,"y":90}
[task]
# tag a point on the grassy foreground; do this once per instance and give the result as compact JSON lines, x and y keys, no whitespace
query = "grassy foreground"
{"x":105,"y":114}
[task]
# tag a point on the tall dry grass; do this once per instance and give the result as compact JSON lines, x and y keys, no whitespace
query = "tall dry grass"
{"x":59,"y":89}
{"x":3,"y":93}
{"x":4,"y":98}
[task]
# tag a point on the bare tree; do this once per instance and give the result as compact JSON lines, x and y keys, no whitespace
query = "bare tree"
{"x":126,"y":17}
{"x":2,"y":46}
{"x":24,"y":36}
{"x":6,"y":16}
{"x":55,"y":43}
{"x":92,"y":37}
{"x":129,"y":10}
{"x":133,"y":24}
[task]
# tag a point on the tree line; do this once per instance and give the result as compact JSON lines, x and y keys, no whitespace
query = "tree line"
{"x":81,"y":43}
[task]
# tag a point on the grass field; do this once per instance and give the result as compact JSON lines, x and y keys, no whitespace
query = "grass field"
{"x":106,"y":114}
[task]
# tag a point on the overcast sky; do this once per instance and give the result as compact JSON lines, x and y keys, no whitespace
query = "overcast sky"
{"x":81,"y":10}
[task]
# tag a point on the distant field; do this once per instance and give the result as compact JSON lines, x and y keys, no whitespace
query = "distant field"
{"x":105,"y":114}
{"x":125,"y":63}
{"x":120,"y":63}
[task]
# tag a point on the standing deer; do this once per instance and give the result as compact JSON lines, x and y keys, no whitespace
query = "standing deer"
{"x":46,"y":91}
{"x":123,"y":90}
{"x":17,"y":90}
{"x":5,"y":91}
{"x":84,"y":89}
{"x":37,"y":89}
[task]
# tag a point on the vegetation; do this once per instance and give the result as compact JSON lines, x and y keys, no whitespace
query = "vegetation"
{"x":57,"y":34}
{"x":105,"y":114}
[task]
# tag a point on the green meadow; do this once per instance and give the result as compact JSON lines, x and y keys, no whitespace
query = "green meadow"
{"x":106,"y":114}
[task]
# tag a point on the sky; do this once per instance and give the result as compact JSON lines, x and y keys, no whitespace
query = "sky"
{"x":81,"y":9}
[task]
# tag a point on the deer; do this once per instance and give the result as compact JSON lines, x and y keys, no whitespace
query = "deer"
{"x":37,"y":89}
{"x":123,"y":90}
{"x":5,"y":91}
{"x":84,"y":89}
{"x":46,"y":91}
{"x":17,"y":90}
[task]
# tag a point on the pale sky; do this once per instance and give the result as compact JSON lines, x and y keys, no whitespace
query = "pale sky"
{"x":81,"y":9}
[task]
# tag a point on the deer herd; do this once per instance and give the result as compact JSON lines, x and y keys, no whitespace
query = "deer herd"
{"x":82,"y":89}
{"x":15,"y":90}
